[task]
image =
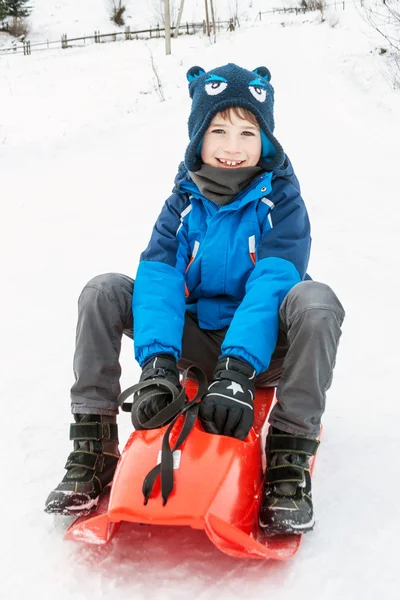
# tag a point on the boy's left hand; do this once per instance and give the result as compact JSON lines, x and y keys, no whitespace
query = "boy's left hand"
{"x":227,"y":407}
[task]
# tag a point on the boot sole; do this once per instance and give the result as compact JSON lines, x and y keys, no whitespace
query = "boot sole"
{"x":284,"y":527}
{"x":57,"y":508}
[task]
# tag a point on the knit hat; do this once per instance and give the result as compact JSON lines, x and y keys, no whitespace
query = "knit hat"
{"x":226,"y":87}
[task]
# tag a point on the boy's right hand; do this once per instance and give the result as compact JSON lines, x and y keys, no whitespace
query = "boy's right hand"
{"x":150,"y":401}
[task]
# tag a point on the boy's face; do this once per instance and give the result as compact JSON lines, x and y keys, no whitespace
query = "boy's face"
{"x":231,"y":143}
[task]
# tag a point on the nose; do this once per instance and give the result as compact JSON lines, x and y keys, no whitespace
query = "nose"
{"x":231,"y":145}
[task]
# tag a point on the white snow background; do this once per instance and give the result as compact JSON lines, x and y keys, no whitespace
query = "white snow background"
{"x":88,"y":154}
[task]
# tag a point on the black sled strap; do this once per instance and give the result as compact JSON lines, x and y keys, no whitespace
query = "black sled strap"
{"x":166,"y":466}
{"x":165,"y":415}
{"x":177,"y":407}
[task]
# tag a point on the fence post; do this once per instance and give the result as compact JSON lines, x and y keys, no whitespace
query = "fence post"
{"x":260,"y":15}
{"x":127,"y":32}
{"x":344,"y":4}
{"x":187,"y":28}
{"x":151,"y":31}
{"x":158,"y":30}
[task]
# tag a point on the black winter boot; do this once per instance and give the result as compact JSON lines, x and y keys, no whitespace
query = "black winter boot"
{"x":90,"y":467}
{"x":286,"y":505}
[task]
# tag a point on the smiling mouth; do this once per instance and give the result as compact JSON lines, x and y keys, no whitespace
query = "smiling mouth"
{"x":230,"y":163}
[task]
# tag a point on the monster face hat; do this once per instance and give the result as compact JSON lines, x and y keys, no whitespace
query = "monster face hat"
{"x":223,"y":88}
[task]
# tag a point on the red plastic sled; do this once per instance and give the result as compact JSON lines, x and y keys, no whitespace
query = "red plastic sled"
{"x":217,"y":487}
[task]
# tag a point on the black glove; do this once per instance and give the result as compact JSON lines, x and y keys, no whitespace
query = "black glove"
{"x":227,"y":407}
{"x":151,"y":400}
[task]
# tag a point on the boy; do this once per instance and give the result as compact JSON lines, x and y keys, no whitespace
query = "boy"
{"x":222,"y":284}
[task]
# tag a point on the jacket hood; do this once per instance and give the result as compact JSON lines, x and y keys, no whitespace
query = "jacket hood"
{"x":227,"y":87}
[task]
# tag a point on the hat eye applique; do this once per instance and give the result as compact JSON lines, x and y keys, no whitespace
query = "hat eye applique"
{"x":258,"y":90}
{"x":215,"y":85}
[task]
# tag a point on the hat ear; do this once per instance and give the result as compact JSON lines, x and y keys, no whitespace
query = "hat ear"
{"x":194,"y":73}
{"x":263,"y":72}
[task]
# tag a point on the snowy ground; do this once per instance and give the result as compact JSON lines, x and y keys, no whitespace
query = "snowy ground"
{"x":88,"y":154}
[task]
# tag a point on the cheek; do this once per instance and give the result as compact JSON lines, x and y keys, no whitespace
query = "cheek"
{"x":254,"y":151}
{"x":257,"y":147}
{"x":206,"y":149}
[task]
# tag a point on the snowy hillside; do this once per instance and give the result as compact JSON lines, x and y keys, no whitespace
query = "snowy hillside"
{"x":50,"y":19}
{"x":88,"y":153}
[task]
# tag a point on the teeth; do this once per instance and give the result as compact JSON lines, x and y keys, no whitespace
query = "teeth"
{"x":231,"y":163}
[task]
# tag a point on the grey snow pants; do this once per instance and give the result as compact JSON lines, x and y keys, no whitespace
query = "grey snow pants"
{"x":310,"y":319}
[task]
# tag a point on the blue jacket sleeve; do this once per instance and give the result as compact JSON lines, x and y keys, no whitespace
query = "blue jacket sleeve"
{"x":282,"y":260}
{"x":158,"y":302}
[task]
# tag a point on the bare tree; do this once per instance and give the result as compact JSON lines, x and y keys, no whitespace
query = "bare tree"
{"x":234,"y":11}
{"x":213,"y":21}
{"x":167,"y":20}
{"x":207,"y":19}
{"x":178,"y":21}
{"x":384,"y":17}
{"x":158,"y":10}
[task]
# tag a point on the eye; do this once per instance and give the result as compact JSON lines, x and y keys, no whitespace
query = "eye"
{"x":259,"y":92}
{"x":215,"y":87}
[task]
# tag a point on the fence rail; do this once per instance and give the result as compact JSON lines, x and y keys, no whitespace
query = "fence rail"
{"x":26,"y":46}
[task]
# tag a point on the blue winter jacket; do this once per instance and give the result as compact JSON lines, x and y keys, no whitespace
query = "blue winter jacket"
{"x":230,"y":266}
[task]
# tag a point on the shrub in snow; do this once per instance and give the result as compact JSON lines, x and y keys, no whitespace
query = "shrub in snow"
{"x":309,"y":5}
{"x":117,"y":10}
{"x":18,"y":27}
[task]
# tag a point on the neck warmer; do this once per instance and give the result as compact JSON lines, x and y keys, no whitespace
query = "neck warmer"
{"x":221,"y":185}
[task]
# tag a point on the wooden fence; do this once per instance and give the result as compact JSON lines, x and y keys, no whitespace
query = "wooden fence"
{"x":26,"y":47}
{"x":337,"y":4}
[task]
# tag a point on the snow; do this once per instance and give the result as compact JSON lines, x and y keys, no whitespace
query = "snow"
{"x":82,"y":134}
